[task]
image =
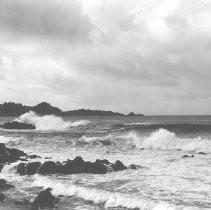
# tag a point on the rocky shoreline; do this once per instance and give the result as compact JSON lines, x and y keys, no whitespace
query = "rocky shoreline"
{"x":75,"y":166}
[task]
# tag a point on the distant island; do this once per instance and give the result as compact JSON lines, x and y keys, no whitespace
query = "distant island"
{"x":8,"y":109}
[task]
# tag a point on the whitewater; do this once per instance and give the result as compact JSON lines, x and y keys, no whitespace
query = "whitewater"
{"x":166,"y":180}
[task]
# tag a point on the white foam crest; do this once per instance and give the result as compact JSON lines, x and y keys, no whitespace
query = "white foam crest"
{"x":109,"y":199}
{"x":163,"y":139}
{"x":166,"y":206}
{"x":6,"y":140}
{"x":80,"y":123}
{"x":97,"y":138}
{"x":48,"y":122}
{"x":9,"y":172}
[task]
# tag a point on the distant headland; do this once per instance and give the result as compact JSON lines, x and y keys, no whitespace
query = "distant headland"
{"x":8,"y":109}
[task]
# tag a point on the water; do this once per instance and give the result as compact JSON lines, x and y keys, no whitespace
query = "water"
{"x":166,"y":181}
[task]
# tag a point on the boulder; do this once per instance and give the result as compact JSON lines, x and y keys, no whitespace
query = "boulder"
{"x":10,"y":154}
{"x":21,"y":169}
{"x":119,"y":166}
{"x":32,"y":168}
{"x":2,"y":197}
{"x":187,"y":156}
{"x":44,"y":200}
{"x":48,"y":167}
{"x":202,"y":153}
{"x":133,"y":166}
{"x":18,"y":126}
{"x":4,"y":185}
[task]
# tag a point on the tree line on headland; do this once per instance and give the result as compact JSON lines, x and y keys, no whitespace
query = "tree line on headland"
{"x":16,"y":109}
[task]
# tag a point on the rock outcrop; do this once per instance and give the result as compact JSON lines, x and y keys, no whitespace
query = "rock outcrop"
{"x":17,"y":125}
{"x":10,"y":155}
{"x":4,"y":185}
{"x":188,"y":156}
{"x":76,"y":166}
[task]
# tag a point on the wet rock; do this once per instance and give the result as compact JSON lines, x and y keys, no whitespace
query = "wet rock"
{"x":48,"y":167}
{"x":48,"y":158}
{"x":44,"y":200}
{"x":2,"y":197}
{"x":109,"y":168}
{"x":32,"y":168}
{"x":119,"y":166}
{"x":34,"y":156}
{"x":188,"y":156}
{"x":4,"y":185}
{"x":133,"y":166}
{"x":202,"y":153}
{"x":18,"y":126}
{"x":78,"y":165}
{"x":10,"y":154}
{"x":21,"y":169}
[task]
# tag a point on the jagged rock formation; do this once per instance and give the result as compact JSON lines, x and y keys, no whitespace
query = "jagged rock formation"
{"x":76,"y":166}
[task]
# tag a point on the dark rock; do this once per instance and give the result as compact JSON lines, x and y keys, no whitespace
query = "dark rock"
{"x":32,"y":168}
{"x":2,"y":197}
{"x":34,"y":156}
{"x":131,"y":114}
{"x":10,"y":154}
{"x":16,"y":153}
{"x":78,"y":165}
{"x":48,"y":158}
{"x":23,"y":159}
{"x":45,"y":108}
{"x":202,"y":153}
{"x":102,"y":162}
{"x":4,"y":185}
{"x":44,"y":200}
{"x":133,"y":166}
{"x":187,"y":156}
{"x":21,"y":169}
{"x":119,"y":166}
{"x":48,"y":167}
{"x":18,"y":125}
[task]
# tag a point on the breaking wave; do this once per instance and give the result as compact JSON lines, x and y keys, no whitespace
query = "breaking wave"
{"x":6,"y":140}
{"x":166,"y":140}
{"x":161,"y":139}
{"x":49,"y":122}
{"x":108,"y":199}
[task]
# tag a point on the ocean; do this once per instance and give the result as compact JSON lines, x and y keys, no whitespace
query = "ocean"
{"x":166,"y":181}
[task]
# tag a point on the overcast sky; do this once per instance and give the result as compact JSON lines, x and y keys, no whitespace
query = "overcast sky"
{"x":146,"y":56}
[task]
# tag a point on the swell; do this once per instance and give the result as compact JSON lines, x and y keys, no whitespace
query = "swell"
{"x":181,"y":128}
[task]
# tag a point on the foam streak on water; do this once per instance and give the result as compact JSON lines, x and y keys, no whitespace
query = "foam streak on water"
{"x":166,"y":181}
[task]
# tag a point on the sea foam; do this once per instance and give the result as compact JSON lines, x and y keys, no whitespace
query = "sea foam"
{"x":49,"y":122}
{"x":108,"y":199}
{"x":6,"y":140}
{"x":161,"y":139}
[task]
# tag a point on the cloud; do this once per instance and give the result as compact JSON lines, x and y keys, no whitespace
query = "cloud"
{"x":107,"y":54}
{"x":45,"y":19}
